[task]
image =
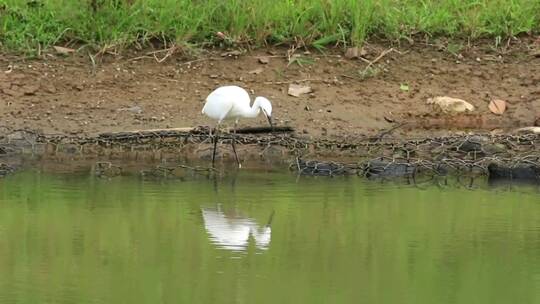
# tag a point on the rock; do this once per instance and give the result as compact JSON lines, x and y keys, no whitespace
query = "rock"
{"x":256,"y":71}
{"x":296,"y":90}
{"x":537,"y":122}
{"x":473,"y":144}
{"x":264,"y":60}
{"x":529,"y":130}
{"x":497,"y":106}
{"x":522,"y":171}
{"x":470,"y":146}
{"x":379,"y":168}
{"x":450,"y":104}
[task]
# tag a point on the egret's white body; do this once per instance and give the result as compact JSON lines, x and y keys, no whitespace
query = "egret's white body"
{"x":233,"y":103}
{"x":234,"y":233}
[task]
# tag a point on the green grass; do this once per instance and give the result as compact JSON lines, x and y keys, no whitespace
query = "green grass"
{"x":30,"y":25}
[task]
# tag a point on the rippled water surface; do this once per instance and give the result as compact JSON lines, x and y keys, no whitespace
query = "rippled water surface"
{"x":265,"y":238}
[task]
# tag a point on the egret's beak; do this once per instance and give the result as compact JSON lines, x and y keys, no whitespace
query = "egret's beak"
{"x":269,"y":120}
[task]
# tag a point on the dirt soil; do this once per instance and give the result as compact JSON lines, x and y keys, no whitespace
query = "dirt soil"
{"x":69,"y":95}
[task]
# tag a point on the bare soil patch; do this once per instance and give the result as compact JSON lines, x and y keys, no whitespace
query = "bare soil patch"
{"x":70,"y":95}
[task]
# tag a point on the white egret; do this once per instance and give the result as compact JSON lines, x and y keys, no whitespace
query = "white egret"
{"x":233,"y":103}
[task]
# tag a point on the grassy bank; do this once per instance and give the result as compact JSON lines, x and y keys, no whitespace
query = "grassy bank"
{"x":37,"y":24}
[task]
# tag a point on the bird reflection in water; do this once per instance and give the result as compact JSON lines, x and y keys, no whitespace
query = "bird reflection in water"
{"x":233,"y":232}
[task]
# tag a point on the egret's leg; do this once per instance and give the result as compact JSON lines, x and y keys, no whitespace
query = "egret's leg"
{"x":216,"y":134}
{"x":233,"y":142}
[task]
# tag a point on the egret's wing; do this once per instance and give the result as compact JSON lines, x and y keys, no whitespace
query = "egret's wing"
{"x":223,"y":100}
{"x":217,"y":106}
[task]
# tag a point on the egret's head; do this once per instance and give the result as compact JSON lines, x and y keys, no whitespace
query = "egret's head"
{"x":266,"y":107}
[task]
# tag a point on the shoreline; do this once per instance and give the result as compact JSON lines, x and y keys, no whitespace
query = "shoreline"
{"x":447,"y":155}
{"x":65,"y":106}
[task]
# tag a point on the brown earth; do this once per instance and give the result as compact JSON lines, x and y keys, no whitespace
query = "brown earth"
{"x":69,"y":95}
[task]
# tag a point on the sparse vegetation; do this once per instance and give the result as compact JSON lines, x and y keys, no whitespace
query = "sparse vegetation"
{"x":37,"y":24}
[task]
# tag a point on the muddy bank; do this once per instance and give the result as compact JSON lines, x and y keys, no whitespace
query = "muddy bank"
{"x":387,"y":86}
{"x":175,"y":151}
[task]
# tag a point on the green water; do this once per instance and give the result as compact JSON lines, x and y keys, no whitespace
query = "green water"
{"x":79,"y":239}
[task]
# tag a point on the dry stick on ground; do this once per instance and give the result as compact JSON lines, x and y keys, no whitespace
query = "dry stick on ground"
{"x":168,"y":52}
{"x":293,"y":81}
{"x":247,"y":130}
{"x":384,"y":53}
{"x":370,"y":63}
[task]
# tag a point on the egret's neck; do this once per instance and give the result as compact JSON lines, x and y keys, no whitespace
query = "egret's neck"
{"x":253,"y":111}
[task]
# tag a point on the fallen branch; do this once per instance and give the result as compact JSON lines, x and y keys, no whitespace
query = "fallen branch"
{"x":295,"y":81}
{"x":383,"y":53}
{"x":148,"y":133}
{"x":191,"y":130}
{"x":256,"y":130}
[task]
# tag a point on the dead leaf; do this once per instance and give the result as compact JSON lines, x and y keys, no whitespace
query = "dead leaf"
{"x":389,"y":119}
{"x":63,"y":50}
{"x":404,"y":87}
{"x":296,"y":90}
{"x":355,"y":52}
{"x":497,"y":106}
{"x":256,"y":71}
{"x":264,"y":60}
{"x":450,"y":104}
